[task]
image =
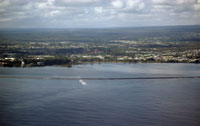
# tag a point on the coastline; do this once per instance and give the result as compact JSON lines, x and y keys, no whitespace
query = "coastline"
{"x":71,"y":64}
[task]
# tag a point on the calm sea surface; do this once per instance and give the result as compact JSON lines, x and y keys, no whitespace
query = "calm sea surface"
{"x":133,"y":102}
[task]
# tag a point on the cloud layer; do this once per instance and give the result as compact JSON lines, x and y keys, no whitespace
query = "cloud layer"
{"x":97,"y":13}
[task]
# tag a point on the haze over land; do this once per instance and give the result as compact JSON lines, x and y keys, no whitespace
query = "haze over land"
{"x":97,"y":13}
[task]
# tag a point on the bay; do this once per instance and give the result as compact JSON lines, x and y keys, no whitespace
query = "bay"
{"x":141,"y":102}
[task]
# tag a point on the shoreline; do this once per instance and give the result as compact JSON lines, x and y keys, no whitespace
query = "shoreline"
{"x":82,"y":63}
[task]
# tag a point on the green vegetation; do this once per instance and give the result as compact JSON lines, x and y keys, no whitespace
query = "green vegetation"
{"x":41,"y":47}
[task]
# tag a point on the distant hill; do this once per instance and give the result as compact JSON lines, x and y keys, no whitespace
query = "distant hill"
{"x":161,"y":33}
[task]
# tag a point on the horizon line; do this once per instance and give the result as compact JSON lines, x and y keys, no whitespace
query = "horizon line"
{"x":101,"y":27}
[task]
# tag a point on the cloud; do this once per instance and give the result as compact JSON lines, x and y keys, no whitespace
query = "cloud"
{"x":132,"y":3}
{"x":98,"y":9}
{"x":52,"y":13}
{"x":174,"y":2}
{"x":161,"y":2}
{"x":97,"y":13}
{"x":135,"y":4}
{"x":75,"y":2}
{"x":4,"y":3}
{"x":197,"y":6}
{"x":117,"y":4}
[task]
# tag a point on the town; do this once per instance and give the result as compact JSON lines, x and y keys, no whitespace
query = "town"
{"x":67,"y":53}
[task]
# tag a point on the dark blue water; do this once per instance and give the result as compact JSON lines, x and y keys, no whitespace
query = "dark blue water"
{"x":49,"y":102}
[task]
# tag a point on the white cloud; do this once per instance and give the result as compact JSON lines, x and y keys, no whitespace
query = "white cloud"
{"x":42,"y":5}
{"x":5,"y":19}
{"x":179,"y":2}
{"x":141,"y":6}
{"x":79,"y":1}
{"x":4,"y":3}
{"x":86,"y":13}
{"x":174,"y":2}
{"x":75,"y":2}
{"x":117,"y":4}
{"x":132,"y":3}
{"x":161,"y":1}
{"x":197,"y":7}
{"x":52,"y":13}
{"x":98,"y":9}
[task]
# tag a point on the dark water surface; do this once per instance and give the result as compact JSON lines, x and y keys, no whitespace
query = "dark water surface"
{"x":149,"y":102}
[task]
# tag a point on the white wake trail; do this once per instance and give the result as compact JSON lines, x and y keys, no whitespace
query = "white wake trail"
{"x":83,"y":82}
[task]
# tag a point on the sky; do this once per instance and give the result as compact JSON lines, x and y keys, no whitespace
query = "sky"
{"x":97,"y":13}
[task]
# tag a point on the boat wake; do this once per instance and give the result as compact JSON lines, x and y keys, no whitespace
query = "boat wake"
{"x":82,"y":82}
